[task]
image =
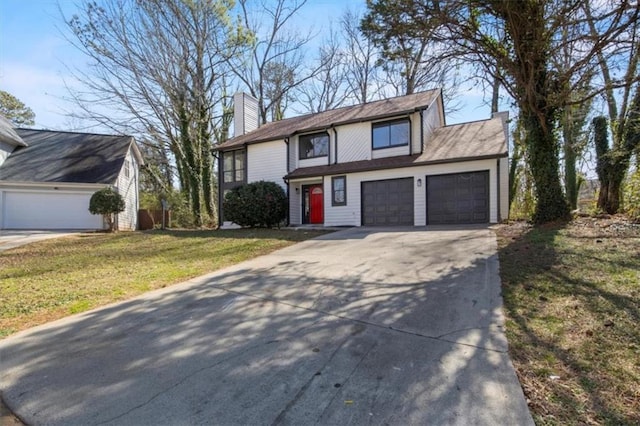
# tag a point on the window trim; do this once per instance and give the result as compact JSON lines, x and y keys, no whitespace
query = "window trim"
{"x":311,"y":135}
{"x":388,"y":123}
{"x":234,"y":170}
{"x":335,"y":203}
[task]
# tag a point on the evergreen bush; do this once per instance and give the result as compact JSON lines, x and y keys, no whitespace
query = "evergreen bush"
{"x":258,"y":205}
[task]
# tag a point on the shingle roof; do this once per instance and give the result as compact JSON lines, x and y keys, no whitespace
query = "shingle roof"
{"x":53,"y":156}
{"x":379,"y":109}
{"x":449,"y":144}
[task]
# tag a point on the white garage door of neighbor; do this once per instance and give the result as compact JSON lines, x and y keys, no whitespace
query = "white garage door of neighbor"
{"x":49,"y":210}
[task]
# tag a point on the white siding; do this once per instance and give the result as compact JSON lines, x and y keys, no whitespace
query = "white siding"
{"x":432,"y":121}
{"x":267,"y":161}
{"x":310,"y":162}
{"x":295,"y":204}
{"x":245,"y":114}
{"x":390,"y":152}
{"x":504,"y":188}
{"x":350,"y":215}
{"x":127,"y":186}
{"x":354,"y":142}
{"x":5,"y":150}
{"x":415,"y":133}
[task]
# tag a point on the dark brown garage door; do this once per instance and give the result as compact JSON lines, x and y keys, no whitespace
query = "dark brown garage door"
{"x":387,"y":202}
{"x":458,"y":198}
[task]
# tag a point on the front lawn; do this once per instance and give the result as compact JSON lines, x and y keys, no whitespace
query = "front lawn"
{"x":572,"y":301}
{"x":51,"y":279}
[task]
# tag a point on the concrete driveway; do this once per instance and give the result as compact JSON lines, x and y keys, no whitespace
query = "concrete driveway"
{"x":362,"y":326}
{"x":11,"y":239}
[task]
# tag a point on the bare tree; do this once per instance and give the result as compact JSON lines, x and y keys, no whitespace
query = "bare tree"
{"x":327,"y":89}
{"x":275,"y":66}
{"x":155,"y":70}
{"x":360,"y":59}
{"x":412,"y":62}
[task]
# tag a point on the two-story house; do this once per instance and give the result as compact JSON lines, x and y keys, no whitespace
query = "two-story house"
{"x":383,"y":163}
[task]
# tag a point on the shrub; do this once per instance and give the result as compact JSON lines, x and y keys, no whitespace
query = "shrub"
{"x":257,"y":204}
{"x":107,"y":202}
{"x":631,"y":195}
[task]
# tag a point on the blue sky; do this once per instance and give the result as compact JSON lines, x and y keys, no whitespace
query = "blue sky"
{"x":35,"y":58}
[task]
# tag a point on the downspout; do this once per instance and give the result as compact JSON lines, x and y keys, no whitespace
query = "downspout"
{"x":498,"y":189}
{"x":410,"y":135}
{"x":335,"y":155}
{"x":218,"y":156}
{"x":329,"y":151}
{"x":421,"y":130}
{"x":286,"y":181}
{"x":288,"y":168}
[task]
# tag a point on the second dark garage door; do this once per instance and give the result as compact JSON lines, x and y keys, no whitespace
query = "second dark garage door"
{"x":387,"y":202}
{"x":458,"y":198}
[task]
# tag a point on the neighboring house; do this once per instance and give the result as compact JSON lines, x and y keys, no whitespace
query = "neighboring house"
{"x":384,"y":163}
{"x":48,"y":177}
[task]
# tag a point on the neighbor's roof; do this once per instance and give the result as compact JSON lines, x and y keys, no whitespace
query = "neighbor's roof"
{"x":449,"y":144}
{"x":8,"y":133}
{"x":53,"y":156}
{"x":352,"y":114}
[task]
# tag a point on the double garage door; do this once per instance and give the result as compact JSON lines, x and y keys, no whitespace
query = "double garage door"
{"x":459,"y":198}
{"x":48,"y":210}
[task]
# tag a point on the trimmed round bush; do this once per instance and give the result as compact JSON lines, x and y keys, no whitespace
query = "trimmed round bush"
{"x":258,"y":205}
{"x":107,"y":202}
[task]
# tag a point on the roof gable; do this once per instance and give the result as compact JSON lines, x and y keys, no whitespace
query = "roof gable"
{"x":319,"y":121}
{"x":53,"y":156}
{"x":8,"y":134}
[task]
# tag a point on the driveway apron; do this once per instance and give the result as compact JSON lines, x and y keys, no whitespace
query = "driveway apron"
{"x":363,"y":326}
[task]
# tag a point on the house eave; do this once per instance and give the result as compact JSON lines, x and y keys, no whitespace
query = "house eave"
{"x":52,"y":185}
{"x":293,"y":177}
{"x":279,"y":137}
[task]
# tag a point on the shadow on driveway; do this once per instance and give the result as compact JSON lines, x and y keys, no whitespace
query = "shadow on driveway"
{"x":393,"y":327}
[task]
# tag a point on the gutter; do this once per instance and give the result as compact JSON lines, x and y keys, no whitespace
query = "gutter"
{"x":398,"y":166}
{"x":324,"y":127}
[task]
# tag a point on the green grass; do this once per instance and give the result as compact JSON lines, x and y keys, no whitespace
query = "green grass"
{"x":572,"y":301}
{"x":51,"y":279}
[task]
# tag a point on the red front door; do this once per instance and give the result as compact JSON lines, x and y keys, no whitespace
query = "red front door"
{"x":316,"y":208}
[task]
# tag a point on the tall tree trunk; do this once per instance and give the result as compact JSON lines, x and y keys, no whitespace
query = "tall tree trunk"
{"x":542,"y":146}
{"x":570,"y":157}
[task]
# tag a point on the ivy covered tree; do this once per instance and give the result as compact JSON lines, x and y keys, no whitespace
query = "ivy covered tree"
{"x":157,"y":70}
{"x":15,"y":110}
{"x":515,"y":41}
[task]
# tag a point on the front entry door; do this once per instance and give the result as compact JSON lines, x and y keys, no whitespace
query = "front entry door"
{"x":313,"y":205}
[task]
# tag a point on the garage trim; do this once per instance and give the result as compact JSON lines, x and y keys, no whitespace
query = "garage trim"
{"x":7,"y":187}
{"x":486,"y":183}
{"x":410,"y":184}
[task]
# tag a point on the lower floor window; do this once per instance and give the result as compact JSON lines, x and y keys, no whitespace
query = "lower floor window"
{"x":339,"y":191}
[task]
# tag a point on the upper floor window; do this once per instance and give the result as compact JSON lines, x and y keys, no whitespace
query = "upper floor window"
{"x":127,"y":170}
{"x":390,"y":134}
{"x":233,"y":166}
{"x":314,"y":145}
